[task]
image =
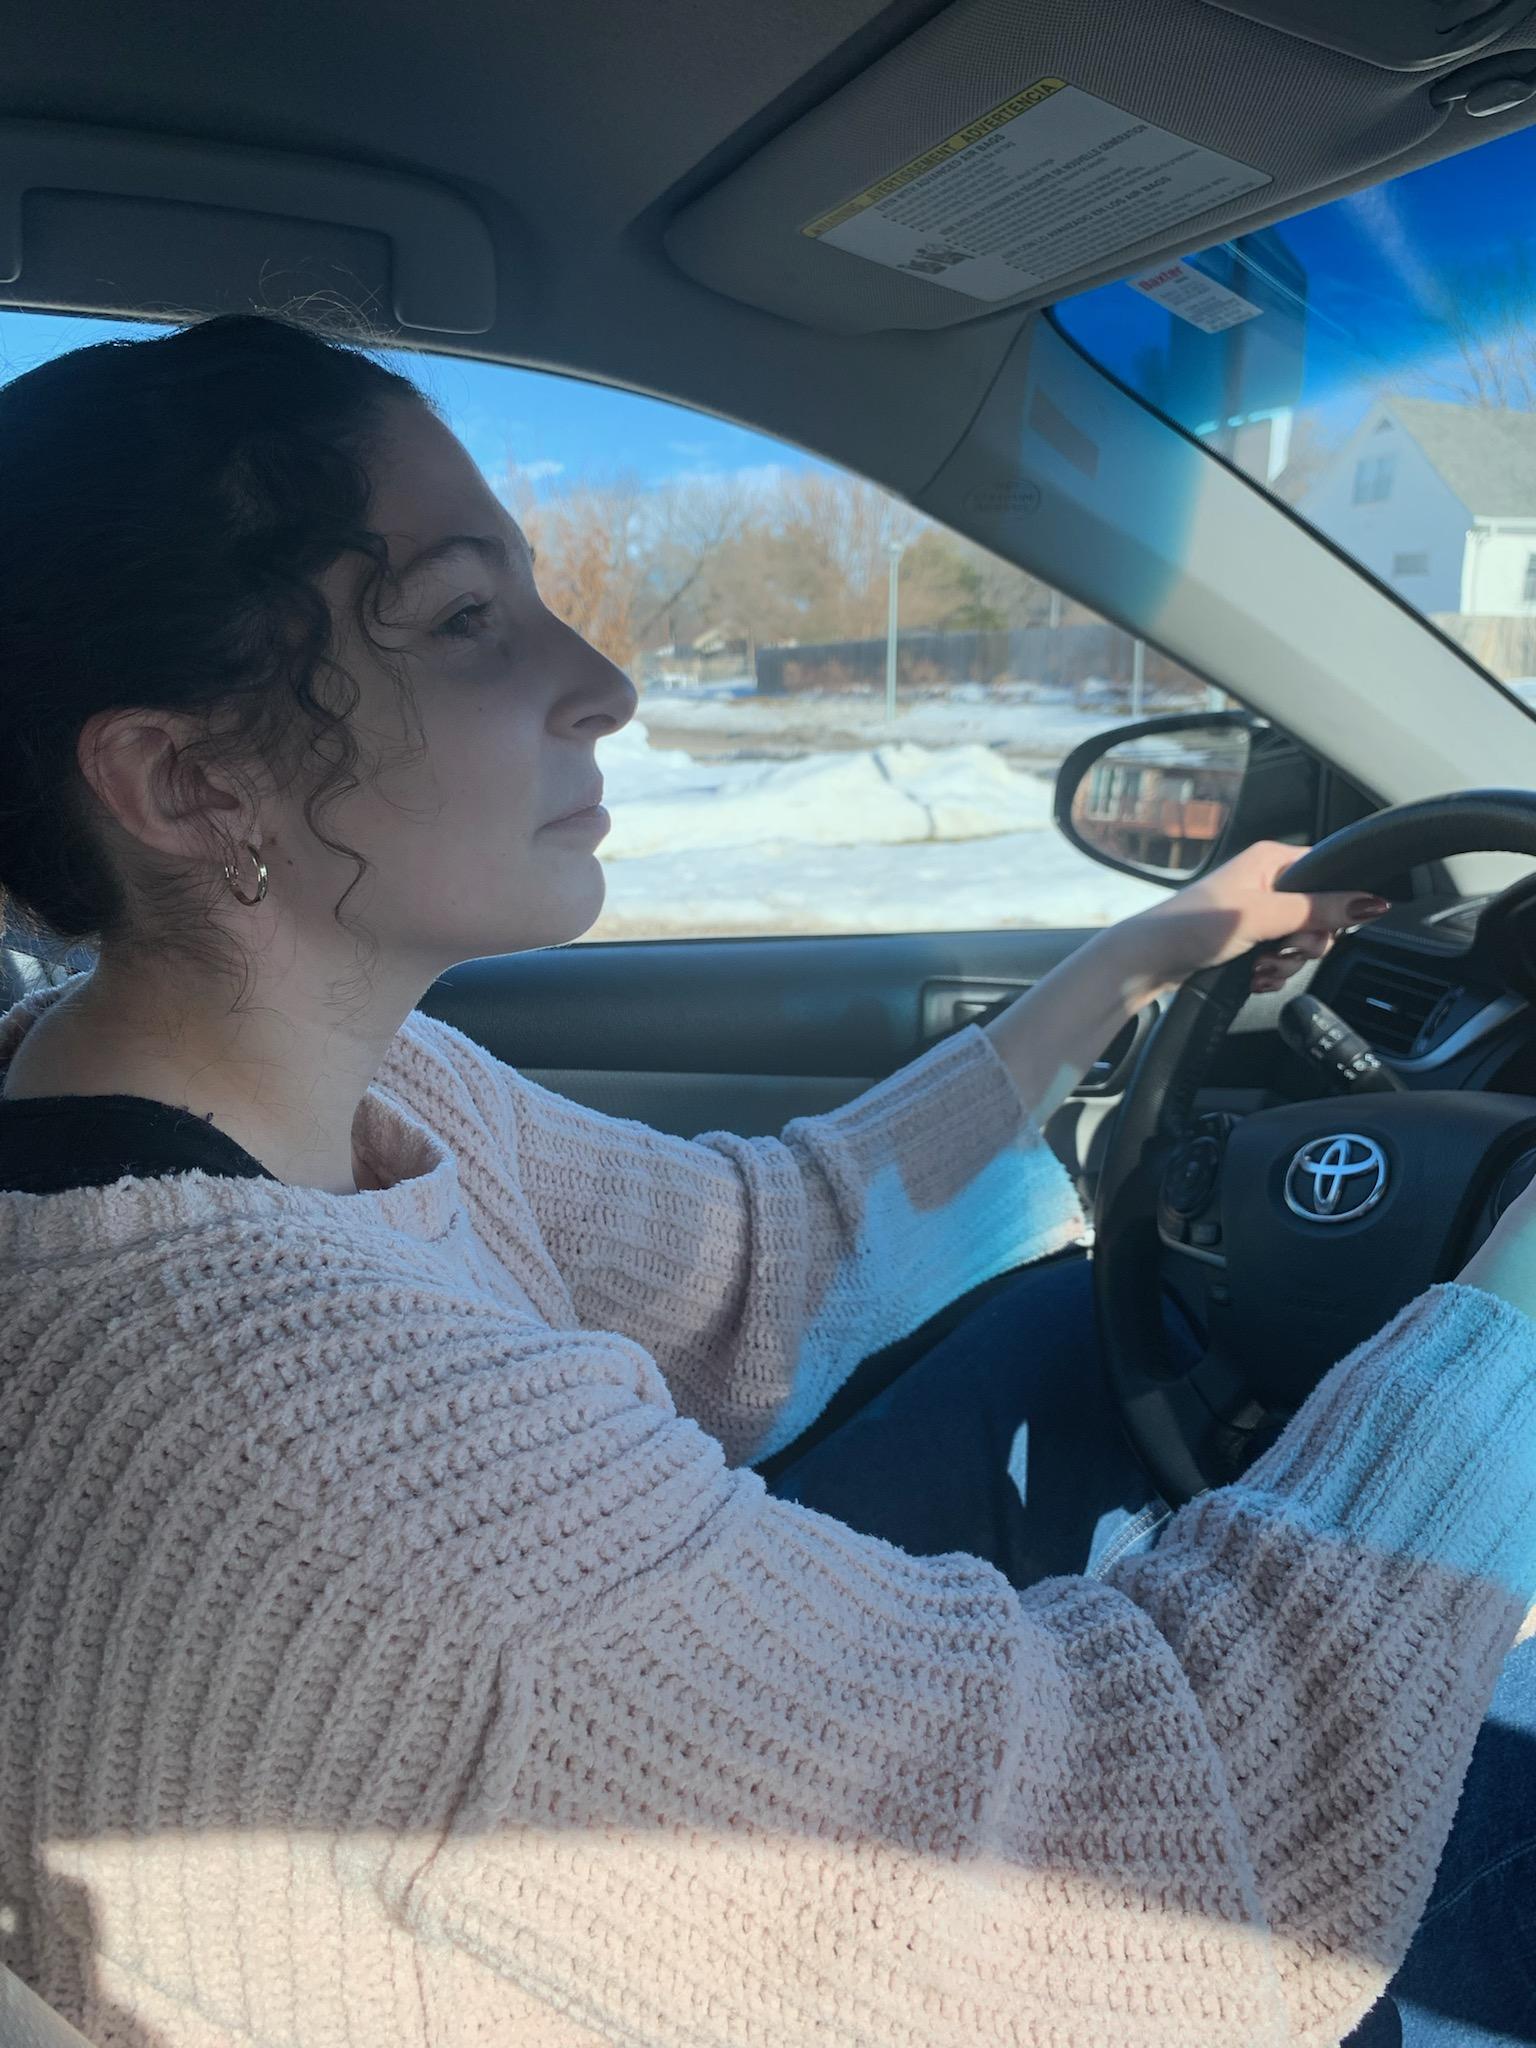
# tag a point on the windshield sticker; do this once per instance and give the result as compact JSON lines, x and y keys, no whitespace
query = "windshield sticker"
{"x":1048,"y":183}
{"x":1199,"y":299}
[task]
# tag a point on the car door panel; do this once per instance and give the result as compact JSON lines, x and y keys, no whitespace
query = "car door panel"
{"x":744,"y":1034}
{"x":738,"y":1034}
{"x":787,"y":1006}
{"x":755,"y":1105}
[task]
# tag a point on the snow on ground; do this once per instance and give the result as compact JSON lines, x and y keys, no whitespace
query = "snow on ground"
{"x":664,"y":801}
{"x":886,"y":837}
{"x":1021,"y":879}
{"x":1032,"y":718}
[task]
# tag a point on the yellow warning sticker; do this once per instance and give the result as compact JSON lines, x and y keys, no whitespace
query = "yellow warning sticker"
{"x":962,"y":138}
{"x":1051,"y":182}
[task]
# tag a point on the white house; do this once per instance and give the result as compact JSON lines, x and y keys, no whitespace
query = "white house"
{"x":1439,"y":501}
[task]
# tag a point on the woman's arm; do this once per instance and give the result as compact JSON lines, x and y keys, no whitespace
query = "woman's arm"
{"x":786,"y":1783}
{"x":759,"y":1271}
{"x":1048,"y":1038}
{"x":1340,"y":1616}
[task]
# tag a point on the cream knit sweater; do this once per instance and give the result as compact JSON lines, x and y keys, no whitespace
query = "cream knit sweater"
{"x":395,"y":1649}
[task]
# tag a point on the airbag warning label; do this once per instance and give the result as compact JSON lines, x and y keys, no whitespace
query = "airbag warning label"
{"x":1048,"y":183}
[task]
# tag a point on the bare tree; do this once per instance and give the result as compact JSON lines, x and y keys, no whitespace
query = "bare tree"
{"x":1486,"y":315}
{"x":585,"y":539}
{"x":616,"y":558}
{"x":685,"y":527}
{"x":798,"y":556}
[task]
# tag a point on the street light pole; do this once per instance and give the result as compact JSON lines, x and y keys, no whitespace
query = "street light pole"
{"x":893,"y":549}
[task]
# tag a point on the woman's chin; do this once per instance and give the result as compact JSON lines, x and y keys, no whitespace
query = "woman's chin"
{"x":570,"y":911}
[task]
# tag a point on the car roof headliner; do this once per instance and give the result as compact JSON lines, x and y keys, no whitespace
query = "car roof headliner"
{"x":580,"y":131}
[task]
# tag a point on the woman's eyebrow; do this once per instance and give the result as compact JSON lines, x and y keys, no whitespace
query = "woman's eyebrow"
{"x":489,"y":546}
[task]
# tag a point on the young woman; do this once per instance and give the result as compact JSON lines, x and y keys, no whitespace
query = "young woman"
{"x":396,"y":1643}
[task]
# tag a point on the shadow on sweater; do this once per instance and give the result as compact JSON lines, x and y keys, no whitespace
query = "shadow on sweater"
{"x":1470,"y":1974}
{"x":321,"y":1963}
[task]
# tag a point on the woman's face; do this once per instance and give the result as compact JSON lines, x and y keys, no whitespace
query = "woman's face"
{"x":467,"y":849}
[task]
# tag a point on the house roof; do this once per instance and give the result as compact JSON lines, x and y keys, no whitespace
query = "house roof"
{"x":1487,"y":456}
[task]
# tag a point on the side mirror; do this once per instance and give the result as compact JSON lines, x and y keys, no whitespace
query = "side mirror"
{"x":1168,"y":798}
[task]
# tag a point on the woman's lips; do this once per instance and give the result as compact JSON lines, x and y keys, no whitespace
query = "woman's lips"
{"x":591,"y":818}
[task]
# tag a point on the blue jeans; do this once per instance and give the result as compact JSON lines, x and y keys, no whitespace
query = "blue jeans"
{"x":1003,"y":1441}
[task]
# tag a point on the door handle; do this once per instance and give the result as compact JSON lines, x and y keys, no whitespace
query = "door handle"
{"x":950,"y":1005}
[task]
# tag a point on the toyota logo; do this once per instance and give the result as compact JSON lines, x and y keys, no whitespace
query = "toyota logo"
{"x":1333,"y":1180}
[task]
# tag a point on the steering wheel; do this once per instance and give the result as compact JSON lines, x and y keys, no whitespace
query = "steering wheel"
{"x":1299,"y":1283}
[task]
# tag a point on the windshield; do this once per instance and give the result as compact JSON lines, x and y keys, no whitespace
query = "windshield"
{"x":1373,"y":364}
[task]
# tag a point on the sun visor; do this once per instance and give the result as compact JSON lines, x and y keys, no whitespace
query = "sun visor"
{"x":93,"y":217}
{"x":1008,"y":153}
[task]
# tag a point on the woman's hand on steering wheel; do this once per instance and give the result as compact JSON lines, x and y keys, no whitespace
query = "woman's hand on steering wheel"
{"x":1407,"y":1168}
{"x":1241,"y":905}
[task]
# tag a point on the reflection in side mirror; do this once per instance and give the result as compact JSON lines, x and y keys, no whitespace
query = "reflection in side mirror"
{"x":1159,"y":804}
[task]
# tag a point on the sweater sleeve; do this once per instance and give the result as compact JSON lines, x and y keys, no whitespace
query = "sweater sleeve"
{"x":757,"y":1272}
{"x":1339,"y":1619}
{"x":789,"y":1785}
{"x":812,"y":1788}
{"x":463,"y":1692}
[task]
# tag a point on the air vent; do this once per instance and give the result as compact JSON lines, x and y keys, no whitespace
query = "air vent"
{"x":1396,"y":1009}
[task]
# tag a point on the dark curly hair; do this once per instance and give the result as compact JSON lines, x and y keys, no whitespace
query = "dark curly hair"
{"x":166,"y":506}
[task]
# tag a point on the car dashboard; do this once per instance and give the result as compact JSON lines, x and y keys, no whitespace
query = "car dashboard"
{"x":1434,"y":993}
{"x":1440,"y":993}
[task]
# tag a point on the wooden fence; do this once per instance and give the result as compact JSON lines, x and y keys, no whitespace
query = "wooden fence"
{"x":1504,"y":644}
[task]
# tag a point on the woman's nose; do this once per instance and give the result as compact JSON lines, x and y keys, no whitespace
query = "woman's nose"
{"x":605,"y":696}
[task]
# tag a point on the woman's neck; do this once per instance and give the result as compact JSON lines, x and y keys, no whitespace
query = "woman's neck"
{"x":89,"y":1043}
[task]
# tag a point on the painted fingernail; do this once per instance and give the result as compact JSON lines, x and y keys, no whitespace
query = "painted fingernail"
{"x":1368,"y":906}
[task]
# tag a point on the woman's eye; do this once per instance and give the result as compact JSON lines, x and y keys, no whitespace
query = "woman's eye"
{"x":464,"y":624}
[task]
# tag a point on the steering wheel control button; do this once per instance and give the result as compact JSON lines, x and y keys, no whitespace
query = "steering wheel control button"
{"x":1206,"y":1234}
{"x":1323,"y":1039}
{"x":1215,"y":1123}
{"x":1336,"y":1180}
{"x":1190,"y":1179}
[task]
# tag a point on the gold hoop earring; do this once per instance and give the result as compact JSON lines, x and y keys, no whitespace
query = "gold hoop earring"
{"x":261,"y":878}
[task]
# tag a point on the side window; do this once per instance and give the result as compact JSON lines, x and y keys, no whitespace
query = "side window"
{"x":1373,"y":479}
{"x":850,"y":719}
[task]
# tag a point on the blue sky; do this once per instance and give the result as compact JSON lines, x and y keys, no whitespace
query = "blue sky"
{"x":1384,"y":275}
{"x":556,"y":429}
